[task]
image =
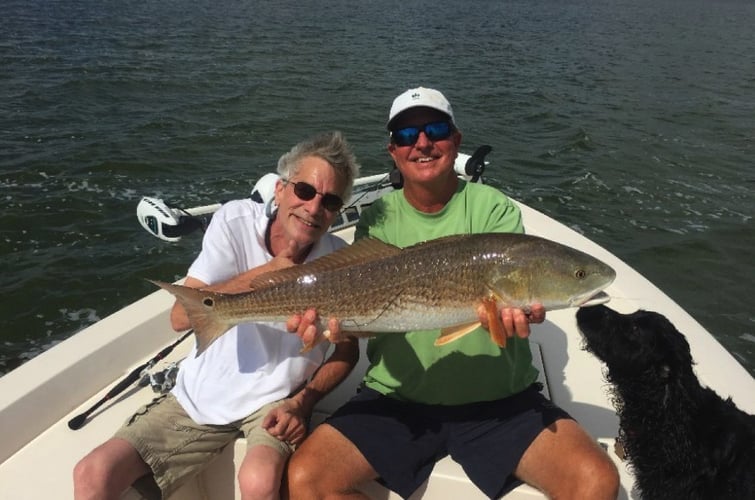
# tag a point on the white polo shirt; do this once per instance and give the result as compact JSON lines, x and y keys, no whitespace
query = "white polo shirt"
{"x":254,"y":363}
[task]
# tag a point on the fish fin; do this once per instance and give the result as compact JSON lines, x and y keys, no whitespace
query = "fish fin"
{"x":199,"y":307}
{"x":363,"y":250}
{"x":451,"y":333}
{"x":442,"y":241}
{"x":495,"y":327}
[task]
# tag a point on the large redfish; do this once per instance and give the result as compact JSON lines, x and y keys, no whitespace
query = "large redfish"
{"x":372,"y":286}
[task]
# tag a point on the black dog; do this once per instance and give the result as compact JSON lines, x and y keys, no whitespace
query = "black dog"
{"x":681,"y":439}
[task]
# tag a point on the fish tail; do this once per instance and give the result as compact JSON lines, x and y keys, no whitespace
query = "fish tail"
{"x":200,"y":308}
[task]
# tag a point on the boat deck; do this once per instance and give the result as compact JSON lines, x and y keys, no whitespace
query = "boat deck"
{"x":38,"y":450}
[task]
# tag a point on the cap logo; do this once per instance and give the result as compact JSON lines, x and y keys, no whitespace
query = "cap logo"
{"x":415,"y":95}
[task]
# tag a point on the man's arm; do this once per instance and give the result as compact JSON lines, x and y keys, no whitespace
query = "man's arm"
{"x":288,"y":422}
{"x":335,"y":369}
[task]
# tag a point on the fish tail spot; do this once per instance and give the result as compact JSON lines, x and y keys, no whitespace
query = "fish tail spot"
{"x":200,"y":309}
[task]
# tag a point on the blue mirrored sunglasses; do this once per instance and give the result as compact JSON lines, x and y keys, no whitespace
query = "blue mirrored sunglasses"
{"x":305,"y":192}
{"x":435,"y":131}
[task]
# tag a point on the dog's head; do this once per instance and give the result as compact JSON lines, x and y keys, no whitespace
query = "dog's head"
{"x":636,"y":343}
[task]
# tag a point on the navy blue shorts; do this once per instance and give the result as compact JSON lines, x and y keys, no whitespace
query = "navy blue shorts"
{"x":402,"y":440}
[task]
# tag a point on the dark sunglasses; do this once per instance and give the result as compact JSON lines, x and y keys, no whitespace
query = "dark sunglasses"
{"x":306,"y":192}
{"x":435,"y":131}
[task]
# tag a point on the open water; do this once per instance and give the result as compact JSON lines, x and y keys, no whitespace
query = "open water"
{"x":633,"y":121}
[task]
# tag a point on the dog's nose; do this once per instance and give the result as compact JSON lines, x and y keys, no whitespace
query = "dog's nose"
{"x":587,"y":315}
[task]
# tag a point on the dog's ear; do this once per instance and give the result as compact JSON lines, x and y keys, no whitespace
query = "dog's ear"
{"x":677,"y":348}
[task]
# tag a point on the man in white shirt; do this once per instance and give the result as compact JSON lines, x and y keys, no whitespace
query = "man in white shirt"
{"x":254,"y":380}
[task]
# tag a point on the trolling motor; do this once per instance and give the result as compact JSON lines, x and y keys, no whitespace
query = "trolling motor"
{"x":171,"y":223}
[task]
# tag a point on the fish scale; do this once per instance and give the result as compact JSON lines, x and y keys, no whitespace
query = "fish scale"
{"x":372,"y":286}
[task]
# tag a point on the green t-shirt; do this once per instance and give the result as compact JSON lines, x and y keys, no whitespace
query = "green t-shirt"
{"x":410,"y":367}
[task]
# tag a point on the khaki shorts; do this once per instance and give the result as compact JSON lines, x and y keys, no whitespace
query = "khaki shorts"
{"x":176,"y":448}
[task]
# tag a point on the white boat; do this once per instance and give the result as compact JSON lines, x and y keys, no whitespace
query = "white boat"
{"x":37,"y":400}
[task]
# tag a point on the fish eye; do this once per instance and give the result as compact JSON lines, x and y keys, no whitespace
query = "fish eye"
{"x":208,"y":302}
{"x":580,"y":274}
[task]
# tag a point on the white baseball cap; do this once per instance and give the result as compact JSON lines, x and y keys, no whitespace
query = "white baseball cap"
{"x":417,"y":97}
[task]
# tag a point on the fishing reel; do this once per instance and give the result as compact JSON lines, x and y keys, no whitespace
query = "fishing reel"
{"x":161,"y":381}
{"x":474,"y":165}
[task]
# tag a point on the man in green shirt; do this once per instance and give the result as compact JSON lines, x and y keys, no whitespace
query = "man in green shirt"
{"x":469,"y":398}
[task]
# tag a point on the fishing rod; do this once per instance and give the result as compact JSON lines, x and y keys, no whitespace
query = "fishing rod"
{"x":78,"y":421}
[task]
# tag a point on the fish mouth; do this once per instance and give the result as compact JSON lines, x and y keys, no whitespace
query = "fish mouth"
{"x":594,"y":300}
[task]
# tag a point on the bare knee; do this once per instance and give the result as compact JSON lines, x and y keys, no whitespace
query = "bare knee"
{"x":309,"y":477}
{"x":596,"y":478}
{"x":260,"y":474}
{"x":564,"y":462}
{"x":92,"y":478}
{"x":107,"y":471}
{"x":328,"y":465}
{"x":301,"y":474}
{"x":85,"y":474}
{"x":259,"y":484}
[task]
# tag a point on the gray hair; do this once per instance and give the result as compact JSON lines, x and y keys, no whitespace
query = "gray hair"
{"x":331,"y":147}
